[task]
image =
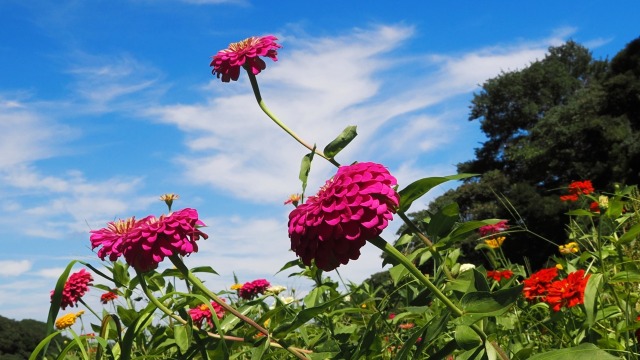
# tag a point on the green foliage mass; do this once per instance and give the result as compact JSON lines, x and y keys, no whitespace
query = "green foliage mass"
{"x":564,"y":118}
{"x":19,"y":338}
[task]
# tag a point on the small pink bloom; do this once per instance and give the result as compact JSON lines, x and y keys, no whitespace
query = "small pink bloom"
{"x":353,"y":207}
{"x":226,"y":63}
{"x":202,"y":312}
{"x":76,"y":286}
{"x":392,"y":316}
{"x":251,"y":289}
{"x":493,"y":229}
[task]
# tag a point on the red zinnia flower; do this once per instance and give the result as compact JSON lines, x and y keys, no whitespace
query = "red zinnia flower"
{"x":76,"y":286}
{"x":226,"y":63}
{"x":497,"y":275}
{"x":251,"y":289}
{"x":353,"y":207}
{"x":594,"y":207}
{"x":568,"y":292}
{"x":493,"y":229}
{"x":202,"y":312}
{"x":536,"y":286}
{"x":145,"y":243}
{"x":108,"y":296}
{"x":576,"y":189}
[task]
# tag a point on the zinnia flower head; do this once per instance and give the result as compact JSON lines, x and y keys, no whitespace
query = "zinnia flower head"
{"x":169,"y":198}
{"x":576,"y":189}
{"x":466,"y":267}
{"x":226,"y":63}
{"x":145,"y":243}
{"x":536,"y":286}
{"x":275,"y":290}
{"x":493,"y":229}
{"x":352,"y":207}
{"x":68,"y":320}
{"x":568,"y":292}
{"x":497,"y":275}
{"x":570,"y":248}
{"x":293,"y":199}
{"x":108,"y":296}
{"x":251,"y":289}
{"x":202,"y":312}
{"x":495,"y":243}
{"x":76,"y":286}
{"x":236,"y":287}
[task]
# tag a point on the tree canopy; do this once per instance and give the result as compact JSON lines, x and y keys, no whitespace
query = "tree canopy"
{"x":564,"y":118}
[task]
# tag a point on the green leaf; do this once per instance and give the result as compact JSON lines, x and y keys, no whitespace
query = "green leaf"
{"x":626,"y":276}
{"x":466,"y":338}
{"x":303,"y":316}
{"x":290,"y":264}
{"x":305,"y":167}
{"x":44,"y":343}
{"x":586,"y":351}
{"x":630,"y":235}
{"x":339,"y":143}
{"x":182,"y":337}
{"x":480,"y":304}
{"x":258,"y":352}
{"x":591,"y":296}
{"x":398,"y":273}
{"x":420,"y":187}
{"x":442,"y":221}
{"x":580,"y":212}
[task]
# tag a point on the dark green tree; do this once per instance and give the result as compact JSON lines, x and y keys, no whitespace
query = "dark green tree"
{"x":18,"y":339}
{"x":566,"y":117}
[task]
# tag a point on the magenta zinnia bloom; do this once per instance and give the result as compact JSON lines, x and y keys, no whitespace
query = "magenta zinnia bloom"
{"x":352,"y":207}
{"x":145,"y":243}
{"x":202,"y":312}
{"x":226,"y":63}
{"x":76,"y":286}
{"x":500,"y":226}
{"x":251,"y":289}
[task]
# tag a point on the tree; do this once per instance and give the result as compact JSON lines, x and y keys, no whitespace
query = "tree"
{"x":566,"y":117}
{"x":19,"y":338}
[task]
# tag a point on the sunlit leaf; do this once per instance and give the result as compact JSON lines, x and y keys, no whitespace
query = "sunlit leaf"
{"x":420,"y":187}
{"x":340,"y":142}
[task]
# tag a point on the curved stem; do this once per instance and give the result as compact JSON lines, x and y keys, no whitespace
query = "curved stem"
{"x":265,"y":109}
{"x":381,"y":244}
{"x":427,"y":242}
{"x":197,"y":283}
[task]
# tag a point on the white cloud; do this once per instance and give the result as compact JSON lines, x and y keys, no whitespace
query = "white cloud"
{"x":14,"y":267}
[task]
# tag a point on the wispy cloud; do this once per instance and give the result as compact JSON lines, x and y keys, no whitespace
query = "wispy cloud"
{"x":14,"y":267}
{"x":321,"y":85}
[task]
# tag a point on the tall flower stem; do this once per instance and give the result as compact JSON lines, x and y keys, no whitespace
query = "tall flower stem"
{"x":383,"y":245}
{"x":198,"y":284}
{"x":182,"y":321}
{"x":427,"y":242}
{"x":265,"y":109}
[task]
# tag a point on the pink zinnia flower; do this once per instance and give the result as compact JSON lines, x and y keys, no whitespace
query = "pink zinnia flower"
{"x":108,"y":296}
{"x":113,"y":237}
{"x":226,"y":63}
{"x":493,"y":229}
{"x":76,"y":286}
{"x":202,"y":312}
{"x":251,"y":289}
{"x":145,"y":243}
{"x":352,"y":207}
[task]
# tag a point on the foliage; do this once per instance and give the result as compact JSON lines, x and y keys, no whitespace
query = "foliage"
{"x":19,"y":338}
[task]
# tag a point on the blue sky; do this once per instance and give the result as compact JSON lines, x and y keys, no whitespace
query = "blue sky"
{"x":106,"y":105}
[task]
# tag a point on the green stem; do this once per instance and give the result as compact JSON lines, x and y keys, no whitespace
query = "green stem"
{"x":427,"y":242}
{"x":383,"y":245}
{"x":265,"y":109}
{"x":197,"y":283}
{"x":90,"y":309}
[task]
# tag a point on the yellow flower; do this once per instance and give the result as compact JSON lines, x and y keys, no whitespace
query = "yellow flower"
{"x":559,"y":266}
{"x":267,"y":322}
{"x":236,"y":286}
{"x":603,"y":202}
{"x":168,"y":199}
{"x":495,"y":243}
{"x":68,"y":320}
{"x":570,"y":248}
{"x":364,"y":306}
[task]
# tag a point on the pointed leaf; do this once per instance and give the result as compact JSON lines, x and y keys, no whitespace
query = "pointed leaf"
{"x":466,"y":338}
{"x":630,"y":235}
{"x":591,"y":296}
{"x":584,"y":351}
{"x":339,"y":143}
{"x":420,"y":187}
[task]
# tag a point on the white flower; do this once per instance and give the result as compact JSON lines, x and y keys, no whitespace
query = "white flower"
{"x":465,"y":267}
{"x":276,"y":289}
{"x":287,"y":299}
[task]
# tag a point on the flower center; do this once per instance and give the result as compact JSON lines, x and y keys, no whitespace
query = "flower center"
{"x":122,"y":226}
{"x":244,"y":44}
